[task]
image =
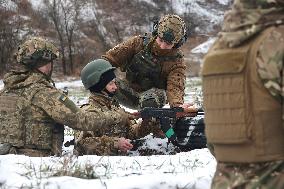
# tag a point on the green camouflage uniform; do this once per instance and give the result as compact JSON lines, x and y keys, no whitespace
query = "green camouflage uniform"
{"x":33,"y":112}
{"x":247,"y":19}
{"x":104,"y":141}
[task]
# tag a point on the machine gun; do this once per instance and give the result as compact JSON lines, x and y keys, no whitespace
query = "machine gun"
{"x":167,"y":118}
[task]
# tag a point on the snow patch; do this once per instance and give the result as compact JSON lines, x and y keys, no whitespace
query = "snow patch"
{"x":1,"y":84}
{"x":204,"y":47}
{"x":224,"y":2}
{"x":8,"y":5}
{"x":149,"y":2}
{"x":191,"y":6}
{"x":37,"y":4}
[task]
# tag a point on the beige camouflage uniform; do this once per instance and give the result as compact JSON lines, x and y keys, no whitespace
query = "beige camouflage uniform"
{"x":33,"y":112}
{"x":104,"y":141}
{"x":166,"y":72}
{"x":259,"y":23}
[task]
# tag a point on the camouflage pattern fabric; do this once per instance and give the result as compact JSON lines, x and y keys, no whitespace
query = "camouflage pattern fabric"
{"x":134,"y":100}
{"x":104,"y":141}
{"x":171,"y":28}
{"x":249,"y":17}
{"x":36,"y":52}
{"x":101,"y":146}
{"x":172,"y":70}
{"x":268,"y":175}
{"x":270,"y":63}
{"x":48,"y":110}
{"x":153,"y":98}
{"x":244,"y":21}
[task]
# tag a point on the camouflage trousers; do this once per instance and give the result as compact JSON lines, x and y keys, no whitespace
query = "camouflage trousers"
{"x":130,"y":98}
{"x":6,"y":148}
{"x":266,"y":175}
{"x":101,"y":146}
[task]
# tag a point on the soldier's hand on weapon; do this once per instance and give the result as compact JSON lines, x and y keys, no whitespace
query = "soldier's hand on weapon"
{"x":134,"y":115}
{"x":189,"y":107}
{"x":124,"y":144}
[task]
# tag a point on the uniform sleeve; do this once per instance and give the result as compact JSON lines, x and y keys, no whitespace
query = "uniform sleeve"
{"x":144,"y":128}
{"x":102,"y":146}
{"x":270,"y":57}
{"x":62,"y":110}
{"x":176,"y":84}
{"x":122,"y":54}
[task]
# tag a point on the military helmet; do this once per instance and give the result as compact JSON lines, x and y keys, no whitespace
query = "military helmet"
{"x":36,"y":52}
{"x":92,"y":72}
{"x":171,"y":28}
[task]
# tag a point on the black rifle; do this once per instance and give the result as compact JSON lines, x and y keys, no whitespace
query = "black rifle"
{"x":167,"y":118}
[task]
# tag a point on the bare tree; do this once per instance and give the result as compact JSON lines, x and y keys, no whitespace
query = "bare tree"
{"x":53,"y":11}
{"x":8,"y":38}
{"x":65,"y":14}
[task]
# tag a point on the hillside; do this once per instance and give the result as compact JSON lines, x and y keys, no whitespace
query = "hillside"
{"x":85,"y":29}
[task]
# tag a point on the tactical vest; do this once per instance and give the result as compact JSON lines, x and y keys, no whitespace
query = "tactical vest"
{"x":21,"y":128}
{"x":243,"y":121}
{"x":145,"y":68}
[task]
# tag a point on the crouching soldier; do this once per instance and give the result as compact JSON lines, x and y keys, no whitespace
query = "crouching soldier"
{"x":99,"y":78}
{"x":33,"y":112}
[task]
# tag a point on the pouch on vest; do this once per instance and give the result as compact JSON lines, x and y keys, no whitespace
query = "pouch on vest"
{"x":224,"y":96}
{"x":12,"y":121}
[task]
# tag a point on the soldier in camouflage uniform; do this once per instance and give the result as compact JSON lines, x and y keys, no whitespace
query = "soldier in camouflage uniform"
{"x":243,"y":97}
{"x":153,"y":65}
{"x":98,"y":77}
{"x":33,"y":112}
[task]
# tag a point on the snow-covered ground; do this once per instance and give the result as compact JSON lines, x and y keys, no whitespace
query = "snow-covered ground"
{"x":192,"y":169}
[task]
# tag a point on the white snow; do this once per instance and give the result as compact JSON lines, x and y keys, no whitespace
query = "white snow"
{"x":37,"y":4}
{"x":193,"y":169}
{"x":74,"y":84}
{"x":149,"y":2}
{"x":1,"y":84}
{"x":224,"y":2}
{"x":192,"y":6}
{"x":8,"y":5}
{"x":204,"y":47}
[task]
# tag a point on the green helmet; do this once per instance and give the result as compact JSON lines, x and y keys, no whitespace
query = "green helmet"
{"x":92,"y":72}
{"x":171,"y":28}
{"x":36,"y":52}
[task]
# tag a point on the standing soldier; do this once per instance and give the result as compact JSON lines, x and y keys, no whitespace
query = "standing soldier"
{"x":98,"y":77}
{"x":153,"y":64}
{"x":243,"y":97}
{"x":33,"y":112}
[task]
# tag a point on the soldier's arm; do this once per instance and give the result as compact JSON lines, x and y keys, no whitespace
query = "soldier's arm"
{"x":122,"y":53}
{"x":176,"y":84}
{"x":269,"y":59}
{"x":62,"y":110}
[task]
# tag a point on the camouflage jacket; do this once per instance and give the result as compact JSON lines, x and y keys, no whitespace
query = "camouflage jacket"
{"x":104,"y":141}
{"x":172,"y":71}
{"x":43,"y":111}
